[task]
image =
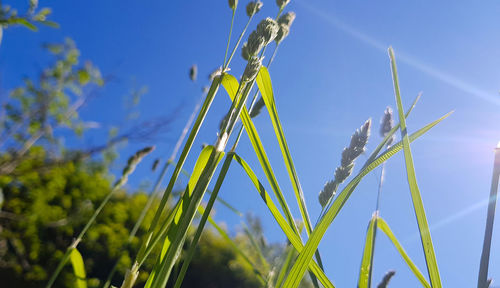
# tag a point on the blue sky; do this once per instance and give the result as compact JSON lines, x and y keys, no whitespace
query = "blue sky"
{"x":330,"y":75}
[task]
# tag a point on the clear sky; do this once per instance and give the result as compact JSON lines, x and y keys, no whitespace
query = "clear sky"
{"x":330,"y":75}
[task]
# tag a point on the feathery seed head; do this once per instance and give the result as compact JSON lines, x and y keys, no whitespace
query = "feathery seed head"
{"x":252,"y":69}
{"x":155,"y":164}
{"x":252,"y":47}
{"x":268,"y":29}
{"x":328,"y":192}
{"x":233,"y":4}
{"x":387,"y":122}
{"x":287,"y":19}
{"x":282,"y":3}
{"x":386,"y":125}
{"x":386,"y":279}
{"x":343,"y":172}
{"x":257,"y":108}
{"x":205,"y":89}
{"x":193,"y":72}
{"x":282,"y":33}
{"x":216,"y":73}
{"x":132,"y":163}
{"x":253,"y":7}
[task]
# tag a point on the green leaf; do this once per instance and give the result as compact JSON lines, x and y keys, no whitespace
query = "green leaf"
{"x":292,"y":235}
{"x":384,"y":227}
{"x":418,"y":205}
{"x":83,"y":76}
{"x":229,"y":83}
{"x":24,"y":22}
{"x":364,"y":273}
{"x":305,"y":256}
{"x":78,"y":268}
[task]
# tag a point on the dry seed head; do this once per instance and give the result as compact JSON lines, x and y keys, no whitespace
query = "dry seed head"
{"x":216,"y":73}
{"x":257,"y":108}
{"x":268,"y":29}
{"x":282,"y":3}
{"x":253,"y":7}
{"x":349,"y":154}
{"x":252,"y":47}
{"x":287,"y":19}
{"x":233,"y":4}
{"x":327,"y":193}
{"x":155,"y":164}
{"x":193,"y":72}
{"x":386,"y":279}
{"x":282,"y":33}
{"x":132,"y":163}
{"x":386,"y":124}
{"x":252,"y":69}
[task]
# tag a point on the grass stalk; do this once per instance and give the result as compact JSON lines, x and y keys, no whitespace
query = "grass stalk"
{"x":488,"y":232}
{"x":425,"y":235}
{"x":133,"y":161}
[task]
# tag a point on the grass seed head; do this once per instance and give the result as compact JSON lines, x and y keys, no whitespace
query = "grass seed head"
{"x":282,"y":33}
{"x":386,"y":279}
{"x":356,"y":147}
{"x":132,"y":163}
{"x":252,"y":69}
{"x":253,"y":7}
{"x":257,"y":108}
{"x":282,"y":3}
{"x":155,"y":164}
{"x":252,"y":47}
{"x":233,"y":4}
{"x":386,"y":124}
{"x":268,"y":29}
{"x":193,"y":72}
{"x":328,"y":192}
{"x":287,"y":19}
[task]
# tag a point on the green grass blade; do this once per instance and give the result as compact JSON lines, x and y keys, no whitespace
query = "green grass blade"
{"x":425,"y":235}
{"x":292,"y":235}
{"x":366,"y":262}
{"x":286,"y":266}
{"x":312,"y":244}
{"x":205,"y":215}
{"x":184,"y":207}
{"x":266,"y":90}
{"x":78,"y":268}
{"x":230,"y":84}
{"x":182,"y":158}
{"x":384,"y":227}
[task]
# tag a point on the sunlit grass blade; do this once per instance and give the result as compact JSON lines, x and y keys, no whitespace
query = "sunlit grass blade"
{"x":285,"y":266}
{"x":266,"y":90}
{"x":306,"y":255}
{"x":205,"y":215}
{"x":78,"y":268}
{"x":425,"y":235}
{"x":364,"y":280}
{"x":384,"y":227}
{"x":186,"y":208}
{"x":292,"y":236}
{"x":182,"y":158}
{"x":230,"y":84}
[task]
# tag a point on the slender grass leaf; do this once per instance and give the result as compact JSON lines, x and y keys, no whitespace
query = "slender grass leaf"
{"x":78,"y":268}
{"x":306,"y":255}
{"x":183,"y":207}
{"x":366,"y":262}
{"x":425,"y":235}
{"x":384,"y":227}
{"x":229,"y":82}
{"x":289,"y":232}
